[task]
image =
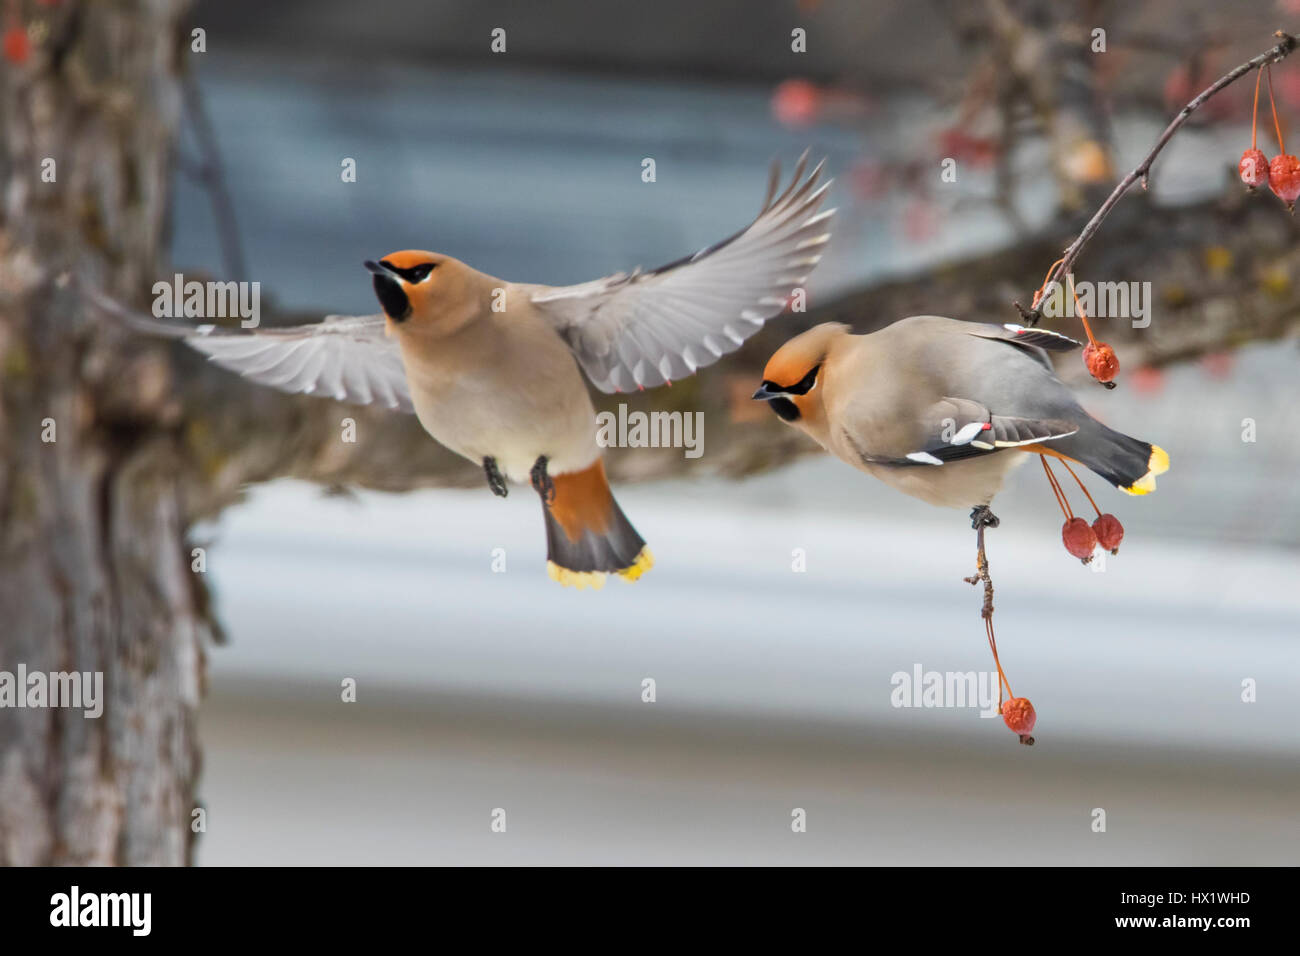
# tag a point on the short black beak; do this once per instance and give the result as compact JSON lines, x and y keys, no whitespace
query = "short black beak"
{"x":377,"y":268}
{"x":766,"y":392}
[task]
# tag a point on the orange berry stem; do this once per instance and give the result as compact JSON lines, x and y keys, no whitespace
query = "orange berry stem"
{"x":1081,"y":486}
{"x":1038,"y":296}
{"x":1254,"y":110}
{"x":1277,"y":127}
{"x":1002,"y":677}
{"x":1061,"y":500}
{"x":1082,"y":315}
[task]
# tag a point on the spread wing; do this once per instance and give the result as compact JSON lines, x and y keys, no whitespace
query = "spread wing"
{"x":642,"y":329}
{"x":346,"y":357}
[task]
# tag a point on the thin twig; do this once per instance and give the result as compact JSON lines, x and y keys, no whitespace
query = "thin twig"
{"x":1285,"y":46}
{"x":986,"y":612}
{"x":212,"y":174}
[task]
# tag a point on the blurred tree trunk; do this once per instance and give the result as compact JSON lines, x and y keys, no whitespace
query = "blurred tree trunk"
{"x":94,"y":571}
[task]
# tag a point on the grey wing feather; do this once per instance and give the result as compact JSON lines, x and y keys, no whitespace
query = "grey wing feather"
{"x":1031,"y":339}
{"x":642,"y":329}
{"x":954,"y":429}
{"x":343,"y":357}
{"x":346,"y":357}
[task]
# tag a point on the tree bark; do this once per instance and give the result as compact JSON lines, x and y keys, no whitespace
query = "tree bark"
{"x":94,"y":571}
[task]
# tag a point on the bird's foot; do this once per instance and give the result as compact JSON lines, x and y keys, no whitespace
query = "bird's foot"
{"x":542,"y":482}
{"x":495,"y":479}
{"x":981,"y":516}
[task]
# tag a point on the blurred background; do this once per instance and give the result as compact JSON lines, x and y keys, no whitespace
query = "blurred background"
{"x":479,"y":690}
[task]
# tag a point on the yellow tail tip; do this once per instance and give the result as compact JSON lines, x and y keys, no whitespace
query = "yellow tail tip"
{"x":576,"y":579}
{"x":596,"y":579}
{"x":1157,"y":464}
{"x":643,"y":563}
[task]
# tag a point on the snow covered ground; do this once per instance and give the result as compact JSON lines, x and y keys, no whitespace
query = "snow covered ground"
{"x":478,"y":689}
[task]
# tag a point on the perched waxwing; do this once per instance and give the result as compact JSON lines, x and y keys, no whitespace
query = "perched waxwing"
{"x":492,"y":368}
{"x":942,"y":410}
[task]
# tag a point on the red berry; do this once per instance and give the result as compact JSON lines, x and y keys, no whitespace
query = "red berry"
{"x":797,"y":103}
{"x":1148,"y":379}
{"x":15,"y":44}
{"x":1109,"y":532}
{"x":1284,"y":178}
{"x":979,"y":151}
{"x":1253,"y":168}
{"x":1080,"y":540}
{"x":1101,"y":361}
{"x":1018,"y":714}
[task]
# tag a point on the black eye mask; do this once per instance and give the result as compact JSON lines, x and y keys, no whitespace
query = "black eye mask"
{"x":413,"y":274}
{"x":785,"y":408}
{"x":391,"y":297}
{"x":805,"y":384}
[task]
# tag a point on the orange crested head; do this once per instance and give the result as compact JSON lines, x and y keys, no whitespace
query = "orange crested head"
{"x":793,"y":373}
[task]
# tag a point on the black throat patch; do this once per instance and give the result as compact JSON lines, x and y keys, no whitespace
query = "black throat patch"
{"x":787,"y":409}
{"x":391,"y":297}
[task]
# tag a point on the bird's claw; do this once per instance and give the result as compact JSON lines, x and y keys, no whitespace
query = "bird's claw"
{"x":542,"y":482}
{"x":495,"y":479}
{"x":981,"y":516}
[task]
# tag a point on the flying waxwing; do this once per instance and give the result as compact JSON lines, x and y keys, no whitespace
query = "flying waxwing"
{"x":491,"y":368}
{"x":939,"y":409}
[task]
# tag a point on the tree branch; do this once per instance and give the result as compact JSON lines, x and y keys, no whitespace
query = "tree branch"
{"x":1286,"y":44}
{"x":211,"y":174}
{"x":238,"y":432}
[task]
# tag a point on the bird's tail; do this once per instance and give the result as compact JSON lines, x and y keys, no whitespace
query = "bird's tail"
{"x":1127,"y":463}
{"x":587,"y":534}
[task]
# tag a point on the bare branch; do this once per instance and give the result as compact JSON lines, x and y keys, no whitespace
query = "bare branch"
{"x":211,"y":174}
{"x":1285,"y":46}
{"x":238,"y":432}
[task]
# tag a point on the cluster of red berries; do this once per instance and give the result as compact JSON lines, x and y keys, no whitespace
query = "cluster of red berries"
{"x":1282,"y":173}
{"x":1079,"y":537}
{"x":1081,"y":540}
